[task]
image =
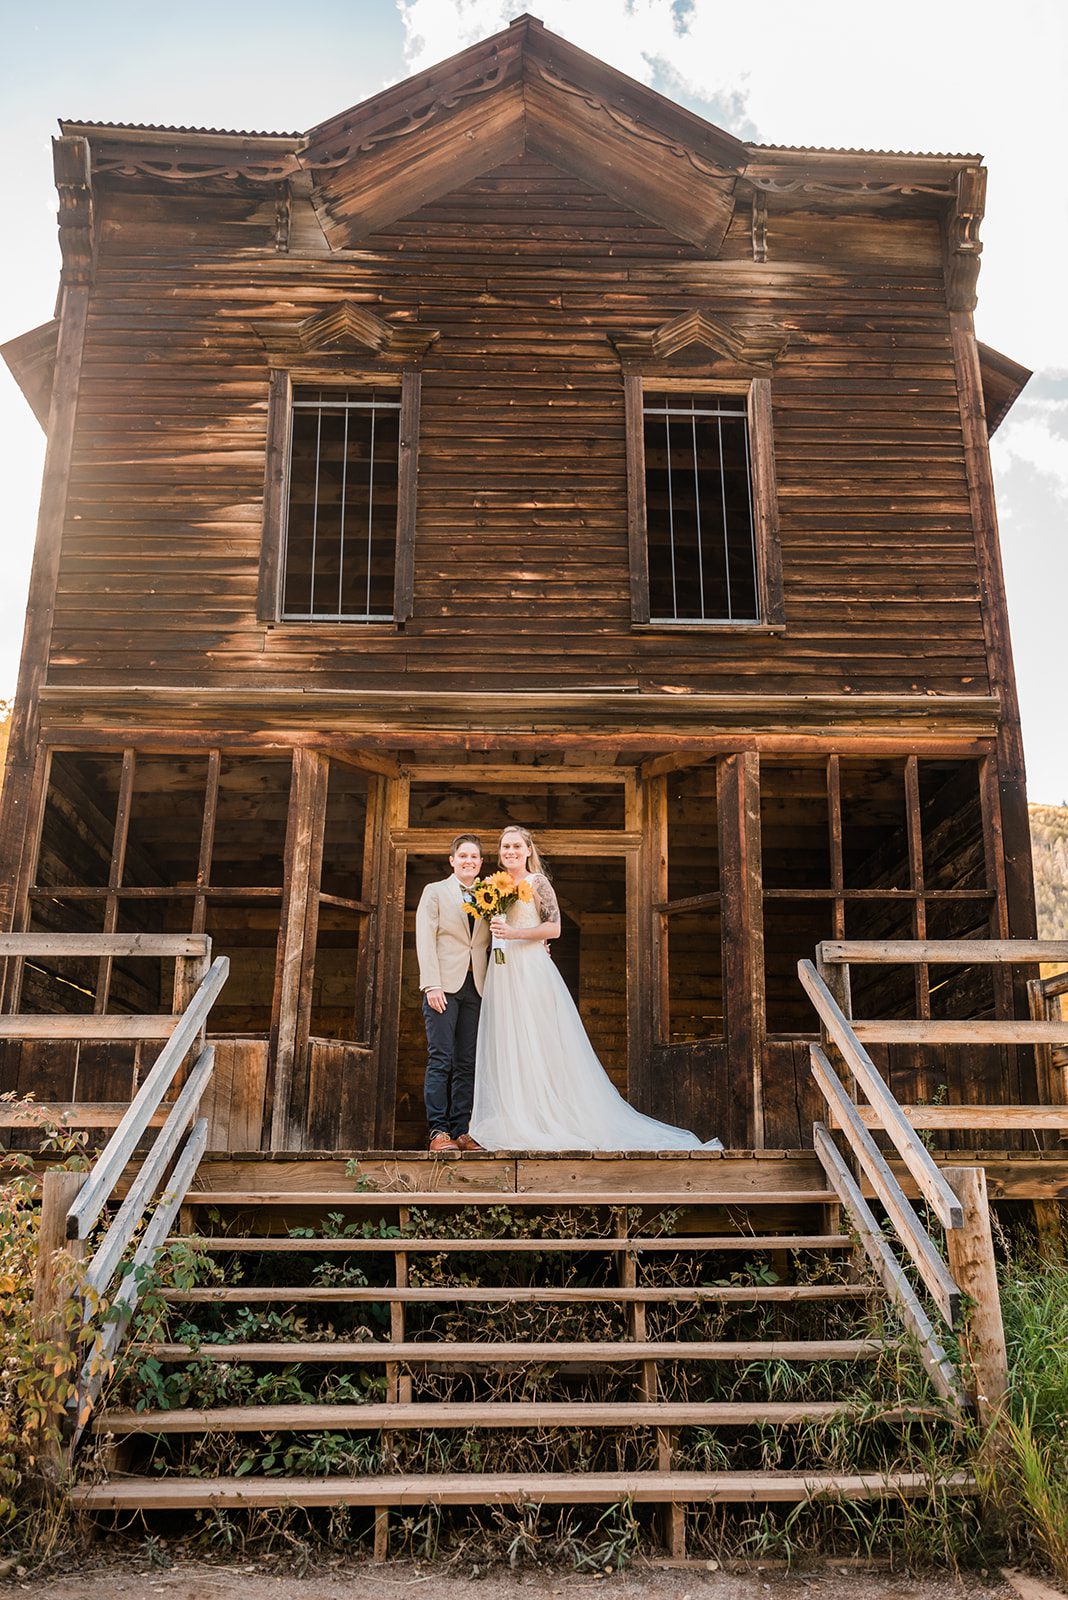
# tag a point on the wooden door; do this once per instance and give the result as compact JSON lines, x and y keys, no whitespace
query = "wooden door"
{"x":593,"y":874}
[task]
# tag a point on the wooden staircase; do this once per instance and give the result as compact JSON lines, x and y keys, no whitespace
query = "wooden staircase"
{"x":576,"y":1331}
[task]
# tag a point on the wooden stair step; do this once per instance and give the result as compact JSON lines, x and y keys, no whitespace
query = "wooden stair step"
{"x":521,"y":1488}
{"x":493,"y":1353}
{"x":664,"y":1242}
{"x":729,"y":1294}
{"x":492,"y":1414}
{"x":350,"y":1199}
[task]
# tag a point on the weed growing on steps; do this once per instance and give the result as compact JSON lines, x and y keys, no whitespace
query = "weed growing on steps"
{"x":1027,"y":1476}
{"x":936,"y":1527}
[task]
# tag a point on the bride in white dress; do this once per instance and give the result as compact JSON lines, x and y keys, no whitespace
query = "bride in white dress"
{"x":538,"y":1082}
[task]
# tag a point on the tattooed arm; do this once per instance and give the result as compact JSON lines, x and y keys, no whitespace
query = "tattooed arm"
{"x":548,"y":925}
{"x":548,"y":907}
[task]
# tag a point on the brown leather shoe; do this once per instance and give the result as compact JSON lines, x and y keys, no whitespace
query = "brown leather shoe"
{"x":464,"y":1141}
{"x":441,"y":1143}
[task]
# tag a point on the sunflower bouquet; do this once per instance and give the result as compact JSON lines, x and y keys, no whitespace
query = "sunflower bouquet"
{"x":493,"y":897}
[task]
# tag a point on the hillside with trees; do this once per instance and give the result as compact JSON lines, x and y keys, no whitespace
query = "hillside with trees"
{"x":1049,"y":847}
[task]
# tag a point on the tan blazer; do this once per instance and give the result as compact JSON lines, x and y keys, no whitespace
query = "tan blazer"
{"x":447,"y":940}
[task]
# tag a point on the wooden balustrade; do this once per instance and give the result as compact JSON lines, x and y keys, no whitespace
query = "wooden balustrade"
{"x":177,"y":1148}
{"x":956,"y":1195}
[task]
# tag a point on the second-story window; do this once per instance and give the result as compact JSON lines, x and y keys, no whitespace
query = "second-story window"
{"x":699,"y":508}
{"x":704,"y":546}
{"x":340,"y":545}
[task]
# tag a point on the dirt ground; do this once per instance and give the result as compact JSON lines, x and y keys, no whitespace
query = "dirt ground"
{"x":195,"y":1580}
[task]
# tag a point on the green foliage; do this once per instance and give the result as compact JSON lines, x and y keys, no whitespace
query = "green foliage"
{"x":1049,"y":852}
{"x":1029,"y":1475}
{"x":40,"y":1362}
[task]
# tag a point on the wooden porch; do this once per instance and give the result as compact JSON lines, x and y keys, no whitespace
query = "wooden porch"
{"x":691,"y":883}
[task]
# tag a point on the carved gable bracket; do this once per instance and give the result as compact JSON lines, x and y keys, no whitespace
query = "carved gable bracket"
{"x":347,"y":328}
{"x":963,"y":245}
{"x":72,"y":166}
{"x":750,"y":342}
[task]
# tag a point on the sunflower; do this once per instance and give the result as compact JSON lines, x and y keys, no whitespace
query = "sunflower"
{"x":502,"y":881}
{"x":485,"y":899}
{"x":524,"y":890}
{"x":469,"y":908}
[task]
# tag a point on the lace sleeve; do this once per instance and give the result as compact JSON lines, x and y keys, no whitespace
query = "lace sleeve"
{"x":544,"y":898}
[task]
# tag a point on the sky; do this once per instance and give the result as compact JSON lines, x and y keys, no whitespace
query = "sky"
{"x":974,"y":77}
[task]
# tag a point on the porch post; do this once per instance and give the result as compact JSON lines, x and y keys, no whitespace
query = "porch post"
{"x":738,"y":804}
{"x":392,"y":864}
{"x":294,"y":965}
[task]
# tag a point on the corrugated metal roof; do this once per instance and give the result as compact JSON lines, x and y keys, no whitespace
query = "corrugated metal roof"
{"x":162,"y":127}
{"x":851,"y":150}
{"x":774,"y":149}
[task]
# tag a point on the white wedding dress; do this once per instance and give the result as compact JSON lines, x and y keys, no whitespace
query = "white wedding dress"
{"x":538,"y":1082}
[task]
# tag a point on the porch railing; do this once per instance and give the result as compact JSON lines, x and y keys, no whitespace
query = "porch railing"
{"x":171,"y":1160}
{"x":860,"y":1101}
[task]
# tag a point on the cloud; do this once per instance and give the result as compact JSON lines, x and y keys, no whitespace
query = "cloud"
{"x":1034,"y":438}
{"x":1031,"y":442}
{"x":834,"y":75}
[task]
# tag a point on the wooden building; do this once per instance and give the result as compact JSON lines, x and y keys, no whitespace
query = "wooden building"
{"x":515,"y":446}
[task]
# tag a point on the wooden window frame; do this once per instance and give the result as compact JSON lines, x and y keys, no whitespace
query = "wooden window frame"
{"x":757,"y":391}
{"x":276,"y":490}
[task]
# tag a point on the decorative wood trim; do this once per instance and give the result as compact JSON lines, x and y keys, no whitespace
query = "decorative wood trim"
{"x":766,"y":503}
{"x":349,"y":326}
{"x":72,"y":165}
{"x":639,"y":549}
{"x":407,"y":479}
{"x":275,"y":493}
{"x":963,"y":247}
{"x":345,"y":328}
{"x":745,"y":341}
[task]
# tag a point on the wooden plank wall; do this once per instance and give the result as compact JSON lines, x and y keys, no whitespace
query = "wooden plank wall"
{"x":522,"y":490}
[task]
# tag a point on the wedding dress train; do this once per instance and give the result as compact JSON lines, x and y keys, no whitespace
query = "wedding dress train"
{"x":538,"y":1082}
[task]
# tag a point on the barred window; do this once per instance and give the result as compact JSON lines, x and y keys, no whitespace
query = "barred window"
{"x":341,"y":523}
{"x":703,"y":515}
{"x":339,"y":500}
{"x":699,"y":508}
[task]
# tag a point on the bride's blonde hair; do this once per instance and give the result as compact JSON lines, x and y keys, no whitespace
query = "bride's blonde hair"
{"x":534,"y":861}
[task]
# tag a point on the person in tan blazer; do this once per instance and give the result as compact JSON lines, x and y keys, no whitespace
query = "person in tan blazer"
{"x":453,"y":951}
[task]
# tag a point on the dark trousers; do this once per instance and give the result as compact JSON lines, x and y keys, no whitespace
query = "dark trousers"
{"x":449,"y":1087}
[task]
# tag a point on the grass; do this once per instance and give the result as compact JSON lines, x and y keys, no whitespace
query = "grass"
{"x":1028,"y":1474}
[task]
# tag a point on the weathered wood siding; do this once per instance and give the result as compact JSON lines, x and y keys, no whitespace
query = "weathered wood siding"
{"x":521,"y":571}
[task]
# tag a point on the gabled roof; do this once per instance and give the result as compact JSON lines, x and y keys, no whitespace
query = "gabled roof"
{"x":524,"y":89}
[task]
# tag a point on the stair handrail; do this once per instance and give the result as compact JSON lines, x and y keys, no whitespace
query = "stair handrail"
{"x":891,"y":1119}
{"x":905,"y":1221}
{"x":115,"y":1156}
{"x":176,"y":1141}
{"x":958,"y":1195}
